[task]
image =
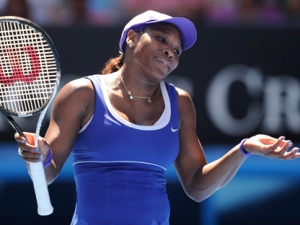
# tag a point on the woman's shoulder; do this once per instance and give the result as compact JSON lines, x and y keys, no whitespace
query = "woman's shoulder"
{"x":181,"y":93}
{"x":185,"y":103}
{"x":76,"y":90}
{"x":80,"y":84}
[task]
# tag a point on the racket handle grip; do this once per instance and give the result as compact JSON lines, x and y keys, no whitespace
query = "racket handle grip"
{"x":40,"y":188}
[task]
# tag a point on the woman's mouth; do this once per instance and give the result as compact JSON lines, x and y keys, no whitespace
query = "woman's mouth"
{"x":163,"y":62}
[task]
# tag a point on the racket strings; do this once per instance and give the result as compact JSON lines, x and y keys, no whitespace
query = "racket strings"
{"x":28,"y":69}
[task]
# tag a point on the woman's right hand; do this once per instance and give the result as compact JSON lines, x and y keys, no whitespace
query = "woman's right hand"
{"x":27,"y":149}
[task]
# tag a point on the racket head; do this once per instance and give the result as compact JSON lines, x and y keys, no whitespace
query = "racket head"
{"x":29,"y":67}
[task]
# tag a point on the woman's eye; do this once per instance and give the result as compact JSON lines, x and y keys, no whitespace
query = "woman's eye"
{"x":164,"y":41}
{"x":177,"y":52}
{"x":161,"y":39}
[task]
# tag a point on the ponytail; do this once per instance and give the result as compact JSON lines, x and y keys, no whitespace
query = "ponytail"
{"x":113,"y":64}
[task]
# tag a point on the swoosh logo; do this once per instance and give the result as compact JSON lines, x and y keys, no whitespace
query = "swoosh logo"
{"x":174,"y":129}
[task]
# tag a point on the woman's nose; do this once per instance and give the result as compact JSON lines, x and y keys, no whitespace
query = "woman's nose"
{"x":169,"y":53}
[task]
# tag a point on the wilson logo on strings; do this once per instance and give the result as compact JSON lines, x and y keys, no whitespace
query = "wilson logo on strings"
{"x":24,"y":65}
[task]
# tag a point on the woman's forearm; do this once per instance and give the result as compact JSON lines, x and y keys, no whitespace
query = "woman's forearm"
{"x":215,"y":175}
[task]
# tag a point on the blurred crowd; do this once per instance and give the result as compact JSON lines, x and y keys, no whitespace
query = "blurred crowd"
{"x":115,"y":12}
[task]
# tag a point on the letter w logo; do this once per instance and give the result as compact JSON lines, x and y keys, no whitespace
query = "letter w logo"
{"x":13,"y":62}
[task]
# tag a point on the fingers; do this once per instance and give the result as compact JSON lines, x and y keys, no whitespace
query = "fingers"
{"x":292,"y":154}
{"x":282,"y":146}
{"x":19,"y":138}
{"x":280,"y":141}
{"x":30,"y":152}
{"x":30,"y":156}
{"x":281,"y":149}
{"x":29,"y":138}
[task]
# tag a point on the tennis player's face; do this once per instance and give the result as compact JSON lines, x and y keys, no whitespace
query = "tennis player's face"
{"x":159,"y":48}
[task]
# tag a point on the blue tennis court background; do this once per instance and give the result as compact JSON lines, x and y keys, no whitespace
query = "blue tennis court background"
{"x":263,"y":191}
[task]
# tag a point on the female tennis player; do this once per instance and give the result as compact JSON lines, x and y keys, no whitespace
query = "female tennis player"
{"x":125,"y":128}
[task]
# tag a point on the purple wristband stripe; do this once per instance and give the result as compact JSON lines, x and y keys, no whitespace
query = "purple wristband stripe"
{"x":48,"y":161}
{"x":242,"y":150}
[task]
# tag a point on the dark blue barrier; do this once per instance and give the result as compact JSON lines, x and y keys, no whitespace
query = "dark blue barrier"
{"x":244,"y":80}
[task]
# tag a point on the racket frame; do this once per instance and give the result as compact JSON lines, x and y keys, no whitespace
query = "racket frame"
{"x":36,"y":169}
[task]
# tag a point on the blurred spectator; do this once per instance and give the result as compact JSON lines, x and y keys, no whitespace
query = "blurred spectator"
{"x":78,"y":11}
{"x":259,"y":12}
{"x":91,"y":12}
{"x":244,"y":12}
{"x":292,"y":11}
{"x":220,"y":12}
{"x":43,"y":12}
{"x":116,"y":12}
{"x":105,"y":12}
{"x":19,"y":8}
{"x":191,"y":9}
{"x":49,"y":12}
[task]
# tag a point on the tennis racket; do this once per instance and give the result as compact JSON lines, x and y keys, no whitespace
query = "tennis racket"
{"x":29,"y":79}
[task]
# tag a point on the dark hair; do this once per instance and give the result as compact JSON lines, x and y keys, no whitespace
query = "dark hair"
{"x":113,"y":64}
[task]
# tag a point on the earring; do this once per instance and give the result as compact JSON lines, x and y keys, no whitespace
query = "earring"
{"x":130,"y":45}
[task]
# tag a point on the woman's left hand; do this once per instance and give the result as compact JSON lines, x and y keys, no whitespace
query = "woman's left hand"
{"x":271,"y":147}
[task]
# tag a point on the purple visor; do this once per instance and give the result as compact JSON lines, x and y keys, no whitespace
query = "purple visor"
{"x":186,"y":27}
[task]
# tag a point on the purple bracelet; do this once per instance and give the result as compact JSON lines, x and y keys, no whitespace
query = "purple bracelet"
{"x":242,"y":150}
{"x":48,"y":161}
